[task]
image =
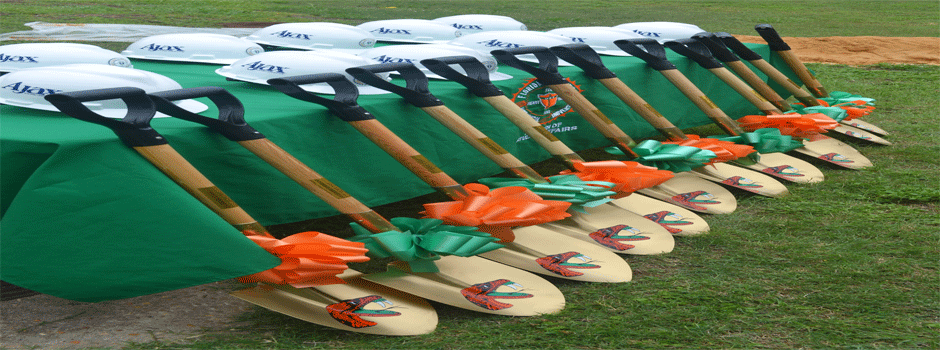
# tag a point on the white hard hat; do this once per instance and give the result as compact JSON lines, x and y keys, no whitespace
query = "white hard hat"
{"x":193,"y":47}
{"x":662,"y":31}
{"x":415,"y":53}
{"x":469,"y":24}
{"x":485,"y":42}
{"x":315,"y":36}
{"x":32,"y":55}
{"x":260,"y":68}
{"x":419,"y":31}
{"x":28,"y":87}
{"x":601,"y":39}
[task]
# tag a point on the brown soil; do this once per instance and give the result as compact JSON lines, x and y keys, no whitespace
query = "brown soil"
{"x":861,"y":50}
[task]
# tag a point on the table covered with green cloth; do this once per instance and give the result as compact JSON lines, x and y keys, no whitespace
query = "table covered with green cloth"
{"x":86,"y":218}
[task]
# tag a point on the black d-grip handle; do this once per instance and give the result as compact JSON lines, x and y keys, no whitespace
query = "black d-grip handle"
{"x":477,"y":79}
{"x":584,"y":57}
{"x":415,"y":90}
{"x":231,"y":122}
{"x":738,"y":47}
{"x":648,"y":50}
{"x":717,"y":48}
{"x":547,"y":70}
{"x":134,"y":129}
{"x":770,"y":35}
{"x":343,"y":104}
{"x":695,"y":51}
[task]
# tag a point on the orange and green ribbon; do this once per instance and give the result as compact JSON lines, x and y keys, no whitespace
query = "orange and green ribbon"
{"x":421,"y":241}
{"x":803,"y":126}
{"x":854,"y":105}
{"x":496,"y":211}
{"x":307,"y":259}
{"x":724,"y":151}
{"x":627,"y":176}
{"x":665,"y":156}
{"x":567,"y":188}
{"x":766,"y":140}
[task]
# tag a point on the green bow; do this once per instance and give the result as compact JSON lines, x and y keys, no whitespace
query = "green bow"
{"x":835,"y":113}
{"x":421,"y":241}
{"x":837,"y":97}
{"x":567,"y":188}
{"x":766,"y":140}
{"x":668,"y":156}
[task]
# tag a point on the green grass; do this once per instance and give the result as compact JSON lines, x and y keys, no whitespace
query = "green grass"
{"x":851,"y":262}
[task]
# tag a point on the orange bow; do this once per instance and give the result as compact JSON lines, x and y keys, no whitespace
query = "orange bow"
{"x":725,"y":151}
{"x":797,"y":125}
{"x":496,"y":211}
{"x":307,"y":259}
{"x":628,"y":176}
{"x":854,"y":109}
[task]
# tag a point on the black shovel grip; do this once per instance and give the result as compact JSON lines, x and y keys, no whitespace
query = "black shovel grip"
{"x":648,"y":50}
{"x":695,"y":51}
{"x":738,"y":47}
{"x":584,"y":57}
{"x":134,"y":129}
{"x":231,"y":122}
{"x":547,"y":70}
{"x":477,"y":79}
{"x":415,"y":90}
{"x":770,"y":35}
{"x":343,"y":104}
{"x":717,"y":48}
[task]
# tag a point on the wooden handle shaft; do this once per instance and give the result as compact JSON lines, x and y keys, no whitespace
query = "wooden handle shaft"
{"x":701,"y":101}
{"x":589,"y":112}
{"x":745,"y":91}
{"x":751,"y":78}
{"x":531,"y":127}
{"x":774,"y":74}
{"x":644,"y":109}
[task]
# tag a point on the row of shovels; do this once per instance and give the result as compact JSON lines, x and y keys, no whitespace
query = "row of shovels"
{"x":483,"y":250}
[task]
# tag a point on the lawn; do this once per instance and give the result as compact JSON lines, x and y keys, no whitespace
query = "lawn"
{"x":851,"y":262}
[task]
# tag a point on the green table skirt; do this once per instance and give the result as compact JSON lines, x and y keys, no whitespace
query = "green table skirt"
{"x":86,"y":218}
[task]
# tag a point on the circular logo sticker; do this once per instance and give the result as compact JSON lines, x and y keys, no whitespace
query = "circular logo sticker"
{"x":541,"y":102}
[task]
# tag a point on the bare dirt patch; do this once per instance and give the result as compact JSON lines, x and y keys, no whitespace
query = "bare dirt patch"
{"x":861,"y":50}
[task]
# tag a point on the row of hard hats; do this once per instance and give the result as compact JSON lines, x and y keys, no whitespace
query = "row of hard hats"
{"x":246,"y":61}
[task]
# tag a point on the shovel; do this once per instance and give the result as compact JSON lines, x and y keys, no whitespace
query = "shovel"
{"x":677,"y":220}
{"x":456,"y":274}
{"x":648,"y":237}
{"x":772,"y":163}
{"x":774,"y":74}
{"x":357,"y":306}
{"x":527,"y":246}
{"x":547,"y":73}
{"x":698,"y":52}
{"x":822,"y":147}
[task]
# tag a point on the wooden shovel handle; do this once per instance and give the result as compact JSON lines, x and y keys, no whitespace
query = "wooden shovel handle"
{"x":776,"y":43}
{"x":177,"y":168}
{"x":644,"y":109}
{"x":317,"y":184}
{"x":409,"y":157}
{"x":791,"y":86}
{"x":601,"y":122}
{"x":701,"y":101}
{"x":745,"y":91}
{"x":751,"y":78}
{"x":482,"y":143}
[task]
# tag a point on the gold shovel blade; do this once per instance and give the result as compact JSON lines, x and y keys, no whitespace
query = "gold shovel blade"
{"x":617,"y":230}
{"x":476,"y":284}
{"x":544,"y":251}
{"x":860,"y":134}
{"x":861,"y":124}
{"x":357,"y":306}
{"x":743,"y":179}
{"x":694,"y":193}
{"x":835,"y":152}
{"x":675,"y":219}
{"x":788,"y":168}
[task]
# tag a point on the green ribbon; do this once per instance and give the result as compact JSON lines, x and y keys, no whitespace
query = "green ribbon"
{"x":567,"y":188}
{"x":835,"y":113}
{"x":421,"y":241}
{"x":837,"y":97}
{"x":668,"y":156}
{"x":766,"y":140}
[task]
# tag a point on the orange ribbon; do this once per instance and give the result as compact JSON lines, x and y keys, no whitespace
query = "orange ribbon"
{"x":724,"y":150}
{"x":855,"y":109}
{"x":797,"y":125}
{"x":307,"y":259}
{"x":628,"y":176}
{"x":496,"y":211}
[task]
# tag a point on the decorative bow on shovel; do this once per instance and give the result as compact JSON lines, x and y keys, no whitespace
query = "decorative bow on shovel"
{"x":627,"y":176}
{"x":805,"y":126}
{"x":766,"y":140}
{"x":667,"y":156}
{"x":308,"y":259}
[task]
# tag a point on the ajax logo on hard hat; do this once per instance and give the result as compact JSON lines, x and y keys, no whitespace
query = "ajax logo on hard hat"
{"x":258,"y":66}
{"x":21,"y":59}
{"x":167,"y":48}
{"x":20,"y":88}
{"x":387,"y":59}
{"x":383,"y":30}
{"x":497,"y":43}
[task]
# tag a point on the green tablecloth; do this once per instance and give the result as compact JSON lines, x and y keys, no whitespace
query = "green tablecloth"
{"x":86,"y":218}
